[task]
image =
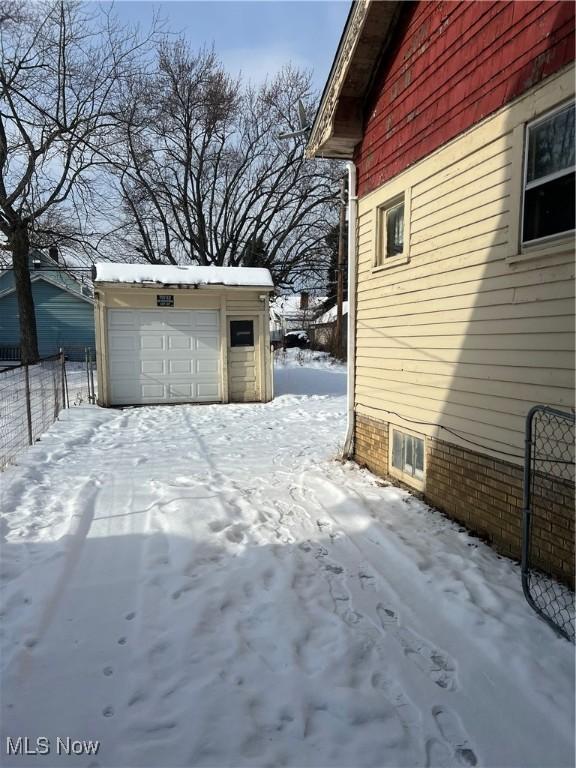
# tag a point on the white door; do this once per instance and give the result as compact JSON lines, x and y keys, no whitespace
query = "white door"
{"x":163,"y":356}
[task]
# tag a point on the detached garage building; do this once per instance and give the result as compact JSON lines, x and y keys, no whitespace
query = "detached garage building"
{"x":170,"y":334}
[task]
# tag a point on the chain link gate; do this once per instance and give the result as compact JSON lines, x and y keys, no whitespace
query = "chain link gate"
{"x":548,"y":517}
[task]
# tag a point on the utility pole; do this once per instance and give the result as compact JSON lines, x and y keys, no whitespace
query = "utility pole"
{"x":340,"y":270}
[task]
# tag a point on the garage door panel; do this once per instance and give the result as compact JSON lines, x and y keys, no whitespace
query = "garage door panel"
{"x":206,"y":367}
{"x":152,"y":366}
{"x":181,"y":319}
{"x":149,"y":341}
{"x":150,"y":320}
{"x":181,"y":341}
{"x":164,"y":356}
{"x":180,"y":366}
{"x":206,"y":319}
{"x":207,"y":391}
{"x":126,"y":368}
{"x":121,"y":342}
{"x":119,"y":318}
{"x":181,"y":390}
{"x":206,"y":344}
{"x":153,"y":391}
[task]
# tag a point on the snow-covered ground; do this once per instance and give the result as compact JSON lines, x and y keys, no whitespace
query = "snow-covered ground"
{"x":207,"y":586}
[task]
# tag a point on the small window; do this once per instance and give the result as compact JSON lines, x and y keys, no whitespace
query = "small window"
{"x":241,"y":333}
{"x":395,"y":230}
{"x":549,"y":176}
{"x":408,"y":456}
{"x":390,"y":235}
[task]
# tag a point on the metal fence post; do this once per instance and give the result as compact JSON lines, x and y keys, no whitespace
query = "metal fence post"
{"x":28,"y":403}
{"x":87,"y":371}
{"x":63,"y":375}
{"x":526,"y":502}
{"x":93,"y":394}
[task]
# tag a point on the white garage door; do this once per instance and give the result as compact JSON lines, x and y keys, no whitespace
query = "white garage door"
{"x":163,"y":356}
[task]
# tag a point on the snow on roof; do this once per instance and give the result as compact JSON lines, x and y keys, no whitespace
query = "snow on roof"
{"x":330,"y":315}
{"x":287,"y":305}
{"x":166,"y":274}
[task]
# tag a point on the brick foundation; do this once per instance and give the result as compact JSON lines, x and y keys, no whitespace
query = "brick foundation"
{"x":485,"y":494}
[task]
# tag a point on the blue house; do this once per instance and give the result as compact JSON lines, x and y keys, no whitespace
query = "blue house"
{"x":64,"y":310}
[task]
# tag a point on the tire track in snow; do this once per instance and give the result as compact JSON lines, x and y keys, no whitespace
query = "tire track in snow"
{"x":80,"y":523}
{"x":433,"y":663}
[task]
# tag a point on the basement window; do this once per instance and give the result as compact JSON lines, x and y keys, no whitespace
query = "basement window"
{"x":548,"y":209}
{"x":407,"y":457}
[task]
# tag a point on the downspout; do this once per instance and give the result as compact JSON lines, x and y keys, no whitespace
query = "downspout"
{"x":351,"y":351}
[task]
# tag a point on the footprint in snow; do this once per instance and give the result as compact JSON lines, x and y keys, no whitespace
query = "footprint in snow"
{"x":436,"y":664}
{"x":107,"y":671}
{"x":108,"y":712}
{"x":387,"y":617}
{"x":179,"y":592}
{"x":451,"y":729}
{"x":130,"y":616}
{"x":438,"y":755}
{"x":367,"y":581}
{"x":235,"y":534}
{"x":321,"y":552}
{"x":136,"y":698}
{"x":268,"y":578}
{"x":218,"y":525}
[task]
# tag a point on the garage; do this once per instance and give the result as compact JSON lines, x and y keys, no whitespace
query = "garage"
{"x":158,"y":356}
{"x":169,"y":334}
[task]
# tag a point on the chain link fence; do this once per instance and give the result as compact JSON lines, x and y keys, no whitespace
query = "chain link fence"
{"x":548,"y":524}
{"x":32,"y":396}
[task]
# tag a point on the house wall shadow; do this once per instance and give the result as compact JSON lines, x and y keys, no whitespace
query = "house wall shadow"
{"x":223,"y":650}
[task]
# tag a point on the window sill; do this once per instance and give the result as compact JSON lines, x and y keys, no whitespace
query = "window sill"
{"x":392,"y":261}
{"x":551,"y":247}
{"x":409,"y":480}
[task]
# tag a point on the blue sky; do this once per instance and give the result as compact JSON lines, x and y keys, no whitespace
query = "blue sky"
{"x":254,"y":37}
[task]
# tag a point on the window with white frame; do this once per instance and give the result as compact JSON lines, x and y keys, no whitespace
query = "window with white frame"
{"x":548,"y":206}
{"x":390,"y":236}
{"x":407,"y":456}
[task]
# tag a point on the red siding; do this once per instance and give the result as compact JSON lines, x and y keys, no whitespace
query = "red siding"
{"x":454,"y":63}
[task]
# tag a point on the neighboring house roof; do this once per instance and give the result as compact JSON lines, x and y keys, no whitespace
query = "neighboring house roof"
{"x":337,"y":127}
{"x":45,"y":267}
{"x":77,"y":293}
{"x":165,"y":274}
{"x":289,"y":308}
{"x":330,"y":315}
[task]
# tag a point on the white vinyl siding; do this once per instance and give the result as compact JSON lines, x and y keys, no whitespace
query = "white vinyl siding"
{"x":463,"y":336}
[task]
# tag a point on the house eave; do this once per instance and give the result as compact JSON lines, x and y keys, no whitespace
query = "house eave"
{"x":338,"y":125}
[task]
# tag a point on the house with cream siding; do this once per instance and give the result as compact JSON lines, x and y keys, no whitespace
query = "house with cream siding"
{"x":457,"y":121}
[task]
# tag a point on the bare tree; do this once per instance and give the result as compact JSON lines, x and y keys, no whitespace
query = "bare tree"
{"x":205,"y":179}
{"x":63,"y":70}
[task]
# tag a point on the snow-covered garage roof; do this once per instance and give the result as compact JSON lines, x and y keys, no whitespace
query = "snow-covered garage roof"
{"x":165,"y":274}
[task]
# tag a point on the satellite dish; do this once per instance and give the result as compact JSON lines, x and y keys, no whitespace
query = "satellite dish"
{"x":304,"y":125}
